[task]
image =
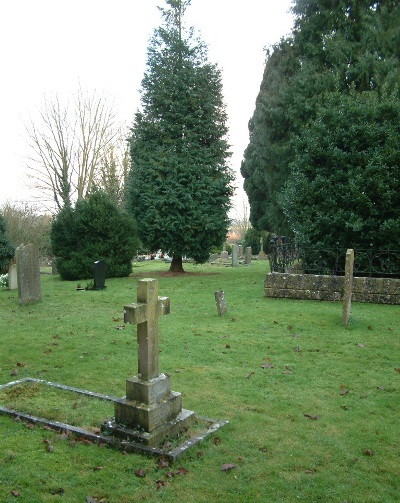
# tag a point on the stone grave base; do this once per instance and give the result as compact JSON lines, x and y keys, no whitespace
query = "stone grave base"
{"x":169,"y":431}
{"x":193,"y":428}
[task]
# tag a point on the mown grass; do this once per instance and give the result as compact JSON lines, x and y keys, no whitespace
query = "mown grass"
{"x":308,"y":400}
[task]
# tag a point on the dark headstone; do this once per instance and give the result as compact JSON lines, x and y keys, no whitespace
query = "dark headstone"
{"x":99,"y":275}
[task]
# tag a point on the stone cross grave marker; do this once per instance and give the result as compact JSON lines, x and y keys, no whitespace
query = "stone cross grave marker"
{"x":150,"y":412}
{"x":145,"y":313}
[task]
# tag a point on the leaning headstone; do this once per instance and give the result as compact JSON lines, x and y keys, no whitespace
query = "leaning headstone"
{"x":99,"y":275}
{"x":348,"y":286}
{"x":12,"y":277}
{"x":235,"y":255}
{"x":150,"y":412}
{"x":221,"y":302}
{"x":247,"y":257}
{"x":28,"y":274}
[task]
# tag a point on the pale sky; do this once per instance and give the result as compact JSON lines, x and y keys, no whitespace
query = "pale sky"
{"x":51,"y":47}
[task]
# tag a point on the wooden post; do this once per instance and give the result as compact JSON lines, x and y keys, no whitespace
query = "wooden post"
{"x":348,"y":286}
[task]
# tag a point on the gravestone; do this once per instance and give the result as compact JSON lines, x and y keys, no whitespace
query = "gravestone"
{"x":248,"y":255}
{"x":240,"y":250}
{"x":348,"y":286}
{"x":99,"y":275}
{"x":224,"y":255}
{"x":221,"y":302}
{"x":262,"y":255}
{"x":12,"y":277}
{"x":150,"y":412}
{"x":54,"y":269}
{"x":235,"y":255}
{"x":28,"y":274}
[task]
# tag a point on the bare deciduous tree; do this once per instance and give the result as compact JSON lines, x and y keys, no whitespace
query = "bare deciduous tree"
{"x":69,"y":144}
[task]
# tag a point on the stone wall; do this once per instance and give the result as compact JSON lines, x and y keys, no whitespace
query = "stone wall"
{"x":318,"y":287}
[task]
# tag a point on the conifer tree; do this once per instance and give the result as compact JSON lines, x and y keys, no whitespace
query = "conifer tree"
{"x":179,"y":185}
{"x":6,"y":248}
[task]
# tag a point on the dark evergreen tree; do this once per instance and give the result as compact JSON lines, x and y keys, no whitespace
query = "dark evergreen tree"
{"x":96,"y":229}
{"x":179,"y":186}
{"x":345,"y":183}
{"x":341,"y":46}
{"x":6,"y":248}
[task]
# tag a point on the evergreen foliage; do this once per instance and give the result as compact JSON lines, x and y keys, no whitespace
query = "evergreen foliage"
{"x":6,"y":248}
{"x":343,"y":47}
{"x":345,"y":182}
{"x":179,"y":185}
{"x":96,"y":229}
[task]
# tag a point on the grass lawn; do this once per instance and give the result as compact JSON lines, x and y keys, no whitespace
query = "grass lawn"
{"x":313,"y":407}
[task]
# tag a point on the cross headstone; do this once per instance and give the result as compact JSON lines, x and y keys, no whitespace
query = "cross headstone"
{"x":145,"y":313}
{"x":262,"y":255}
{"x":150,"y":412}
{"x":28,"y":274}
{"x":99,"y":275}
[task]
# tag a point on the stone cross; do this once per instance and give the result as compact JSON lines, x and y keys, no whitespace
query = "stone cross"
{"x":145,"y":313}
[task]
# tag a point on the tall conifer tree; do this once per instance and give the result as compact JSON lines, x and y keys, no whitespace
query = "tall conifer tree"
{"x":179,"y":186}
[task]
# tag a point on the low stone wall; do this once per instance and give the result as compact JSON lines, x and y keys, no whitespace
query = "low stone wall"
{"x":319,"y":287}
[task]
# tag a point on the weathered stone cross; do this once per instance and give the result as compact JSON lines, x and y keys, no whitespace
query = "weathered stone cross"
{"x":145,"y":313}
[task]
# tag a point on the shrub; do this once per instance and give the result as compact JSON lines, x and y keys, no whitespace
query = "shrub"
{"x":96,"y":229}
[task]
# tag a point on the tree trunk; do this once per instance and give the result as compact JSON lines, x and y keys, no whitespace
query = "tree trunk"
{"x":176,"y":264}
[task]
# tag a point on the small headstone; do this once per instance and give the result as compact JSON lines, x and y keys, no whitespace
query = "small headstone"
{"x":235,"y":255}
{"x":54,"y":269}
{"x":262,"y":255}
{"x":28,"y":274}
{"x":221,"y":302}
{"x":348,"y":286}
{"x":224,"y":255}
{"x":12,"y":277}
{"x":247,"y":257}
{"x":99,"y":275}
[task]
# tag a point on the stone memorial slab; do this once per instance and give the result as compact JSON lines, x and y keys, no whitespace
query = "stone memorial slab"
{"x":235,"y":255}
{"x":28,"y":274}
{"x":348,"y":286}
{"x":99,"y":275}
{"x":220,"y":302}
{"x":248,"y":255}
{"x":12,"y":277}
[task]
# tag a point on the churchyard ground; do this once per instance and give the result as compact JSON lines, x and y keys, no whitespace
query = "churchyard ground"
{"x":312,"y":406}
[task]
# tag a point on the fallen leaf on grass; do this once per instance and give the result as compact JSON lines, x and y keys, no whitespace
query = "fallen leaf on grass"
{"x":344,"y":392}
{"x":60,"y":491}
{"x":296,"y":349}
{"x":397,"y":370}
{"x":249,"y":375}
{"x":97,"y":468}
{"x":228,"y":346}
{"x":226,"y":467}
{"x":139,"y":473}
{"x":267,"y":365}
{"x":14,"y":372}
{"x":160,"y":484}
{"x":368,"y":452}
{"x":217,"y":440}
{"x":15,"y":493}
{"x":360,"y":345}
{"x":308,"y":416}
{"x":287,"y":370}
{"x":20,"y":364}
{"x":162,"y":463}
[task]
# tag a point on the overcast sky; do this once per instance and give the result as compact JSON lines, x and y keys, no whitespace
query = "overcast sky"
{"x":51,"y":47}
